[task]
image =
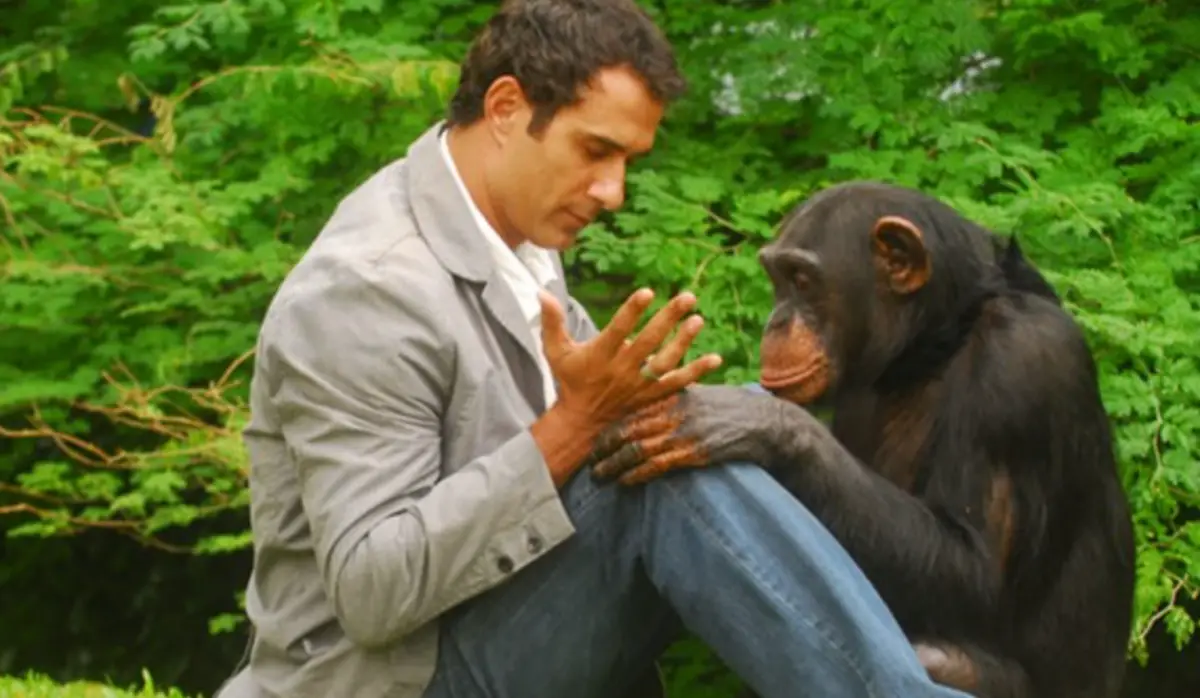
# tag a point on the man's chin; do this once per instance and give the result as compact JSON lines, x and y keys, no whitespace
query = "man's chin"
{"x":558,"y":238}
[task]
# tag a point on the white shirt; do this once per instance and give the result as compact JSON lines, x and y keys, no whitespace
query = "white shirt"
{"x":525,"y":269}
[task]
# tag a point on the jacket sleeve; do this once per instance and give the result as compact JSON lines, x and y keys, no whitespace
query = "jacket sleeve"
{"x":360,"y":378}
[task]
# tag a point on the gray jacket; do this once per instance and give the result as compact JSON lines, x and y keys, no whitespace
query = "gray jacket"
{"x":393,"y":474}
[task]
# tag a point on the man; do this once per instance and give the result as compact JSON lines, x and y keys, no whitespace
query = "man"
{"x":426,"y":392}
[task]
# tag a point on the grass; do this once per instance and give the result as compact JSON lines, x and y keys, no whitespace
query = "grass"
{"x":38,"y":686}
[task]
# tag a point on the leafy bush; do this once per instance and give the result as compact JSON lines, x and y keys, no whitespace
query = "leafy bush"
{"x":38,"y":686}
{"x":156,"y":188}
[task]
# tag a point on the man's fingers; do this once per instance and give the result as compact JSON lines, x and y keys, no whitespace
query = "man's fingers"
{"x":680,"y":378}
{"x":623,"y":322}
{"x":673,"y":353}
{"x":555,"y":340}
{"x":655,"y":331}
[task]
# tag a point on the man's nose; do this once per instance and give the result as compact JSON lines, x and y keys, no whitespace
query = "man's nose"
{"x":610,"y":190}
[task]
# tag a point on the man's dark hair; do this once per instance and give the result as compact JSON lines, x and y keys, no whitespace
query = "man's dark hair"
{"x":555,"y":47}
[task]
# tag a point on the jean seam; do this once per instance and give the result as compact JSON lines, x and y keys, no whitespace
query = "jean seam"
{"x":715,"y":534}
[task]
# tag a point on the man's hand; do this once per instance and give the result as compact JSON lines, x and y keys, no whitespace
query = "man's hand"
{"x":603,"y":379}
{"x":611,"y":375}
{"x":705,"y":424}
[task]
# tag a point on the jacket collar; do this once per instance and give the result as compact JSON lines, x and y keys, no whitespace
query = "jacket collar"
{"x":444,"y":217}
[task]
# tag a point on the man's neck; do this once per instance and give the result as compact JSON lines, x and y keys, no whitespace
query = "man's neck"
{"x":470,"y":151}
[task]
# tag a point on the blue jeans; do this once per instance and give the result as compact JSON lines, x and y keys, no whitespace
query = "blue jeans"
{"x":724,"y":552}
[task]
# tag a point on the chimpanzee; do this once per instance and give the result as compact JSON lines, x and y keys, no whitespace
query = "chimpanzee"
{"x":969,"y":469}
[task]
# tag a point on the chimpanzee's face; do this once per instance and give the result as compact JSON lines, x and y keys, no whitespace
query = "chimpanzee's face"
{"x":837,"y":269}
{"x":799,"y":345}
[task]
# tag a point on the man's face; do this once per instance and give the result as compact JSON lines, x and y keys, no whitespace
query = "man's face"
{"x":550,"y":186}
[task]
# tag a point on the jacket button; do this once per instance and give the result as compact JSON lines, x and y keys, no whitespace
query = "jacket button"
{"x":505,"y":564}
{"x":535,"y":545}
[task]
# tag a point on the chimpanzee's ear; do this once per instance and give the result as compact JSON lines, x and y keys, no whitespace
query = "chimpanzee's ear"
{"x":900,"y":254}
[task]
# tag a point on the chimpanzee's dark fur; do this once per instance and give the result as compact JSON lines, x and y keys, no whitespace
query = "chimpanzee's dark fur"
{"x":992,"y":519}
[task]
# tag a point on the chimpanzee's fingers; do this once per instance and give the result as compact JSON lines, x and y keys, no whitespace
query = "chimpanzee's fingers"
{"x":610,"y":440}
{"x":659,"y":417}
{"x":624,"y":458}
{"x":681,"y":455}
{"x":655,"y":419}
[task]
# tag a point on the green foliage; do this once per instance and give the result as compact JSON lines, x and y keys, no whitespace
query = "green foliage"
{"x":38,"y":686}
{"x":155,"y":188}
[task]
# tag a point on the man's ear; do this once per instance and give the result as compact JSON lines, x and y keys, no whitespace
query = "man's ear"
{"x":505,"y":108}
{"x":900,"y":254}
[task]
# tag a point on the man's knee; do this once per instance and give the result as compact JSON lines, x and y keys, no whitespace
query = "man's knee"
{"x":722,"y":484}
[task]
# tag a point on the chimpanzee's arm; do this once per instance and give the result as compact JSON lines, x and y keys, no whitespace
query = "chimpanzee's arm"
{"x":933,"y":559}
{"x":936,"y":560}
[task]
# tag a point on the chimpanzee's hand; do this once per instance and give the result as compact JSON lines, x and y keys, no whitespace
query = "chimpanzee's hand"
{"x":696,"y":427}
{"x":608,"y":376}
